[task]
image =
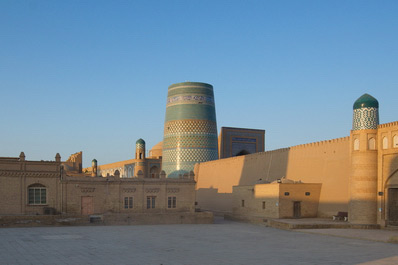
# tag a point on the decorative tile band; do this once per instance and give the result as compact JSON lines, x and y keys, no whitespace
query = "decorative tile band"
{"x":190,"y":99}
{"x":365,"y":118}
{"x":190,"y":141}
{"x":178,"y":156}
{"x":177,"y":127}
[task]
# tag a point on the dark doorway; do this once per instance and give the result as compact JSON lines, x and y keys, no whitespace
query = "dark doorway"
{"x":393,"y":206}
{"x":242,"y":153}
{"x":296,"y":209}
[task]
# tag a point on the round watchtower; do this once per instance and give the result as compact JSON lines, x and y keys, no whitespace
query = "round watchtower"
{"x":363,"y":179}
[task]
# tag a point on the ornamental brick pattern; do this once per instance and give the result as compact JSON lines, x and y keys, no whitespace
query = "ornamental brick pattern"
{"x":365,"y":118}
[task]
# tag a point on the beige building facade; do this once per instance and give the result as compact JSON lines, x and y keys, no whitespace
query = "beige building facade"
{"x":46,"y":187}
{"x":276,"y":200}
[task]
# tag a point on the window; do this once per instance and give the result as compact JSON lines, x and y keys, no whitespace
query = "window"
{"x":150,"y":202}
{"x":243,"y":203}
{"x":395,"y":141}
{"x":37,"y":194}
{"x":385,"y":143}
{"x":263,"y":205}
{"x":356,"y":144}
{"x":128,"y":202}
{"x":172,"y":202}
{"x":372,"y":144}
{"x":307,"y":193}
{"x":287,"y":193}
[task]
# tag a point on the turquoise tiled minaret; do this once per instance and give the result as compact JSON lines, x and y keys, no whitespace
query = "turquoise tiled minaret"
{"x":366,"y":113}
{"x":190,"y":129}
{"x":140,"y":149}
{"x":140,"y":144}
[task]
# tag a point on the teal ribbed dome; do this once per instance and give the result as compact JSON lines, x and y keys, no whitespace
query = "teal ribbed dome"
{"x":366,"y":101}
{"x":94,"y":160}
{"x":140,"y":141}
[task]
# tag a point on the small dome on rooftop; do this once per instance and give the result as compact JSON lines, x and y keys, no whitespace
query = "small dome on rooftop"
{"x":94,"y":160}
{"x":140,"y":141}
{"x":366,"y":101}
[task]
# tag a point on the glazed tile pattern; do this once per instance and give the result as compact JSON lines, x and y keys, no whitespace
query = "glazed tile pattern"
{"x":189,"y":141}
{"x":365,"y":118}
{"x":190,"y":131}
{"x":190,"y":127}
{"x":190,"y":99}
{"x":183,"y":161}
{"x":139,"y":146}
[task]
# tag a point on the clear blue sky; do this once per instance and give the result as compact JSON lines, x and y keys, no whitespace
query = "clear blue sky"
{"x":92,"y":76}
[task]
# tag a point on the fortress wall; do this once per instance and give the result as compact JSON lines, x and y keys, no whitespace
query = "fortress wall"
{"x":326,"y":162}
{"x":215,"y":179}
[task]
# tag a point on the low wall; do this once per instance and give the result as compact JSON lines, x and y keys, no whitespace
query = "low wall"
{"x":157,"y":219}
{"x":106,"y":219}
{"x":42,"y":220}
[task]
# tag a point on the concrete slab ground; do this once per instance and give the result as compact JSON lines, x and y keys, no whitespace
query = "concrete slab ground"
{"x":365,"y":234}
{"x":224,"y":242}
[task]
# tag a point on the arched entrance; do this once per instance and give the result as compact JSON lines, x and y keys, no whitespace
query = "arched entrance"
{"x":392,"y":199}
{"x":154,"y":172}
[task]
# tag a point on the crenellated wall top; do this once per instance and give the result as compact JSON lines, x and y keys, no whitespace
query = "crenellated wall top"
{"x":320,"y":143}
{"x":386,"y":125}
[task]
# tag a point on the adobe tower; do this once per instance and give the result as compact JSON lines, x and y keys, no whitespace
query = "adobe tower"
{"x":363,"y":179}
{"x":190,"y":128}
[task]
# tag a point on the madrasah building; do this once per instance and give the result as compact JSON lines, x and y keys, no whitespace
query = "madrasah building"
{"x":195,"y":168}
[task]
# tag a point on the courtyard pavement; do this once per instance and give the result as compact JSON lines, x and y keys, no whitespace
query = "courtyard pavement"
{"x":224,"y":242}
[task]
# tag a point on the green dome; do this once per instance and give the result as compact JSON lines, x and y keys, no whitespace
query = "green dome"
{"x":366,"y":101}
{"x":140,"y":141}
{"x":94,"y":160}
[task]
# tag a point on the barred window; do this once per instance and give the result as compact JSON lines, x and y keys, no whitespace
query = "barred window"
{"x":172,"y":202}
{"x":150,"y":202}
{"x":37,"y":194}
{"x":128,"y":202}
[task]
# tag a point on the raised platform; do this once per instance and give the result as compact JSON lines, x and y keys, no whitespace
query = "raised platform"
{"x":301,"y":223}
{"x":316,"y":223}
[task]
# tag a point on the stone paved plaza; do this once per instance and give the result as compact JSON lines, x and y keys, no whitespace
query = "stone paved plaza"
{"x":224,"y":242}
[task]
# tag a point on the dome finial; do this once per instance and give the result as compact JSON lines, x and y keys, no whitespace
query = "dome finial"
{"x":366,"y":101}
